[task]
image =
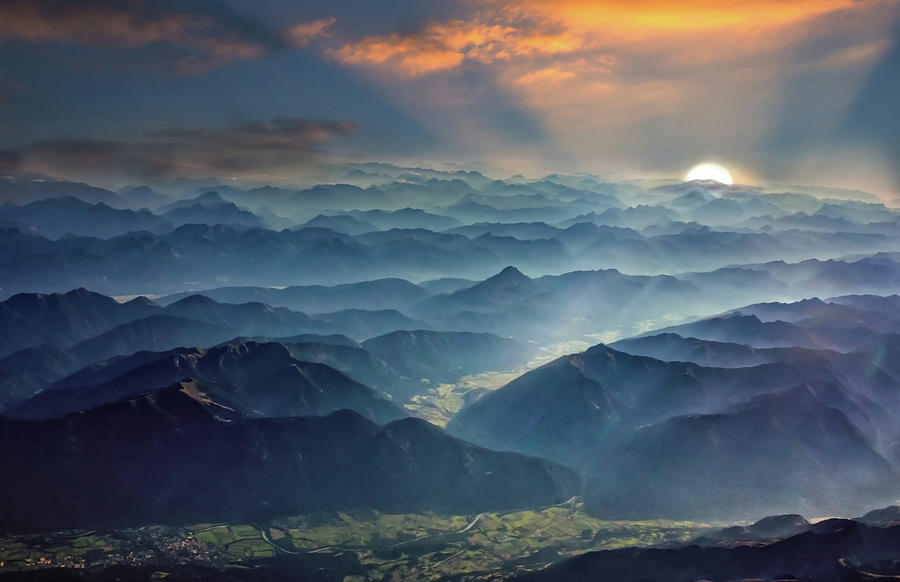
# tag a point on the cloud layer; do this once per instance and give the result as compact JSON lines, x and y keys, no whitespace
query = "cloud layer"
{"x":254,"y":151}
{"x":188,"y":36}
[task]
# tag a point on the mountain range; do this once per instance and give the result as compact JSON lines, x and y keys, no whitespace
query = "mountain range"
{"x":65,"y":332}
{"x":214,"y":351}
{"x":178,"y":454}
{"x":195,"y":236}
{"x":659,"y":436}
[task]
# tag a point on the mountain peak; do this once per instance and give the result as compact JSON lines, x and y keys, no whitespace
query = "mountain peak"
{"x":140,"y":300}
{"x":195,"y":300}
{"x":211,"y":197}
{"x":502,"y":287}
{"x":82,"y":292}
{"x":509,"y":275}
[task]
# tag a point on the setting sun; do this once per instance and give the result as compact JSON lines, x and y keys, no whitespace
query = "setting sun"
{"x":709,"y":172}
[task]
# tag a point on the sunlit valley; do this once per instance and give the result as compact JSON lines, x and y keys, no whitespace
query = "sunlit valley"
{"x":521,"y":291}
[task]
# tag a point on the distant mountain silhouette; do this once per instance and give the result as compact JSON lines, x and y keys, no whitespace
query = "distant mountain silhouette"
{"x":56,"y":217}
{"x":340,"y":223}
{"x":224,"y":213}
{"x":378,"y":294}
{"x":405,"y":218}
{"x":26,"y":189}
{"x":208,"y":198}
{"x":197,"y":254}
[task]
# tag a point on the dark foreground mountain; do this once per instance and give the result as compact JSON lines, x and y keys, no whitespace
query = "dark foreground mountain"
{"x":767,"y":528}
{"x":576,"y":407}
{"x":792,"y":450}
{"x":178,"y":454}
{"x":681,"y":440}
{"x":833,"y":551}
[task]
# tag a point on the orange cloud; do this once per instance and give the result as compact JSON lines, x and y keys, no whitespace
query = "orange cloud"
{"x":637,"y":17}
{"x":442,"y":46}
{"x":302,"y":34}
{"x":407,"y":56}
{"x":504,"y":30}
{"x":551,"y":76}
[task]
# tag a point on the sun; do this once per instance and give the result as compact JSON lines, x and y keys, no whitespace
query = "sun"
{"x":709,"y":172}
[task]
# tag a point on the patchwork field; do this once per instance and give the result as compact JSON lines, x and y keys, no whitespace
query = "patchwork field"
{"x":378,"y":546}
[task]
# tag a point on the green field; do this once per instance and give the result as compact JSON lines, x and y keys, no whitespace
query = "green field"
{"x":236,"y":541}
{"x":430,"y":547}
{"x":37,"y":551}
{"x":389,"y":547}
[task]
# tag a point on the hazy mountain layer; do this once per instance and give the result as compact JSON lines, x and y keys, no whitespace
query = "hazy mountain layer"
{"x":257,"y":379}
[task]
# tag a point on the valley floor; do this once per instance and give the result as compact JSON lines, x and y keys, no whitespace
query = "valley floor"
{"x":357,"y":546}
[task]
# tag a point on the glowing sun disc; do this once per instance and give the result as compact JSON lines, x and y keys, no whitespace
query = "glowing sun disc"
{"x":709,"y":172}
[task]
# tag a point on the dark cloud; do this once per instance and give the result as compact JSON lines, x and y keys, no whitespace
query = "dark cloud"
{"x":249,"y":151}
{"x":188,"y":36}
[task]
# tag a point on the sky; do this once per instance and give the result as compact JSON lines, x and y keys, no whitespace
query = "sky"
{"x":271,"y":91}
